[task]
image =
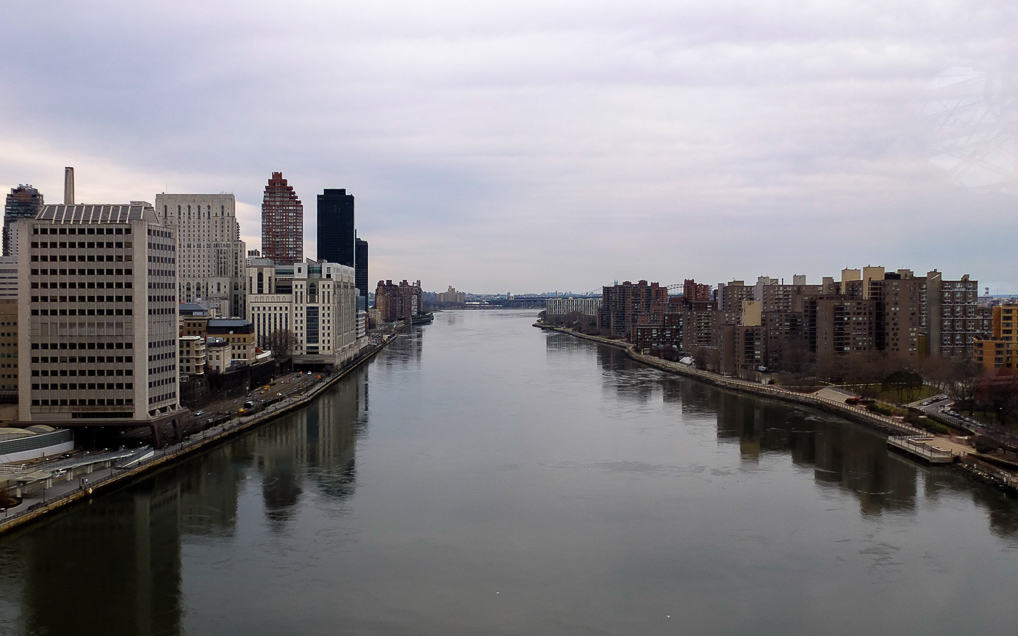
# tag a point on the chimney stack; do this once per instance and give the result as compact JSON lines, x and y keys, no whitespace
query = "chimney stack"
{"x":69,"y":186}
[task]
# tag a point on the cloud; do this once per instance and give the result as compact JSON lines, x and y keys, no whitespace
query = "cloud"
{"x":534,"y":146}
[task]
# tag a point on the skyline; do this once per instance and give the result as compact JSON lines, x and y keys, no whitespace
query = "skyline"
{"x":530,"y":148}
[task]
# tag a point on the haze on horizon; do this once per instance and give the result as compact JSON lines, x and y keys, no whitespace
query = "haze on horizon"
{"x":544,"y":146}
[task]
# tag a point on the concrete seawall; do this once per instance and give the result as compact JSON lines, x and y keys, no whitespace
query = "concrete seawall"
{"x":164,"y":458}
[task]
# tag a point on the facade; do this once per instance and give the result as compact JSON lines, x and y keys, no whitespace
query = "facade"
{"x":99,"y":303}
{"x":282,"y":222}
{"x":561,"y":306}
{"x":192,"y":355}
{"x":1000,"y":350}
{"x":8,"y":349}
{"x":845,"y":326}
{"x":210,"y":254}
{"x":23,"y":202}
{"x":315,"y":302}
{"x":336,"y":235}
{"x":361,"y":269}
{"x":955,"y":320}
{"x":625,"y":306}
{"x":218,"y":355}
{"x":398,"y":302}
{"x":239,"y":336}
{"x":9,"y":276}
{"x":194,"y":319}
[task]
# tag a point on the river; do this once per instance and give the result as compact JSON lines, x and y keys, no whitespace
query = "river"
{"x":481,"y":476}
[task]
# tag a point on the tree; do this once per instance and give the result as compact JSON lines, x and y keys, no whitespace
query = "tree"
{"x":905,"y":382}
{"x":281,"y":342}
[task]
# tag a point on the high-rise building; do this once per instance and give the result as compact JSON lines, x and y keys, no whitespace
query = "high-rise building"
{"x":210,"y":254}
{"x":627,"y":305}
{"x":361,"y":268}
{"x":336,"y":235}
{"x":23,"y":202}
{"x":98,"y":303}
{"x":282,"y":222}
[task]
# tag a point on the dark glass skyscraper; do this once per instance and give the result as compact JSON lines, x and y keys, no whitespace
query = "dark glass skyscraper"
{"x":336,"y":234}
{"x":282,"y":222}
{"x":23,"y":202}
{"x":361,"y":269}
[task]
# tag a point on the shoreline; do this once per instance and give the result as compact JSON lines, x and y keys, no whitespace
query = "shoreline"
{"x":970,"y":466}
{"x":164,"y":458}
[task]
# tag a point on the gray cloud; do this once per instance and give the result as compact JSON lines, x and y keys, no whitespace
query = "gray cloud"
{"x":526,"y":146}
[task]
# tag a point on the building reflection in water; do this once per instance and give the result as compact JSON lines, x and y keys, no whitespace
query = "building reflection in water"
{"x":841,"y":454}
{"x":844,"y":455}
{"x":108,"y":568}
{"x":113,"y":566}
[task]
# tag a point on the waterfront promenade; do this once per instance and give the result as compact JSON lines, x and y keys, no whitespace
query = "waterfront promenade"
{"x":76,"y":486}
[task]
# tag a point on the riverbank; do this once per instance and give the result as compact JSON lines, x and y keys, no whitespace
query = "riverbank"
{"x":932,"y":449}
{"x":69,"y":491}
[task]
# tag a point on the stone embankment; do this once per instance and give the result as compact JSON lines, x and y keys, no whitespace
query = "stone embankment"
{"x":933,"y":449}
{"x":107,"y":477}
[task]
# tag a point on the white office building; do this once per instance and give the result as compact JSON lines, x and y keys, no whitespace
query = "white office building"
{"x":315,"y":301}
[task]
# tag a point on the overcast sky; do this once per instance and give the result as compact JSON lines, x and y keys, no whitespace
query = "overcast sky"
{"x":532,"y":146}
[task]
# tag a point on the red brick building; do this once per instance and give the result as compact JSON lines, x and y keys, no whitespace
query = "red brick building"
{"x":282,"y":222}
{"x":398,"y":302}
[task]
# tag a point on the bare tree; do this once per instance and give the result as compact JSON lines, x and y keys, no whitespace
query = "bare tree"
{"x":281,"y":342}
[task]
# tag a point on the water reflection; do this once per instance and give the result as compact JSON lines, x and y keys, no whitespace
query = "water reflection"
{"x":113,"y":566}
{"x":842,"y":454}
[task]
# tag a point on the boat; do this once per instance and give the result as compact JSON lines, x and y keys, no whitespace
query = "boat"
{"x":422,"y":319}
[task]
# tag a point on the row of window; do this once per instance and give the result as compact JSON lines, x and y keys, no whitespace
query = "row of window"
{"x":80,"y":359}
{"x":82,"y":230}
{"x":84,"y":402}
{"x":84,"y":258}
{"x":83,"y":345}
{"x":81,"y":245}
{"x":82,"y":299}
{"x":84,"y":386}
{"x":163,"y":397}
{"x":85,"y":312}
{"x":83,"y":272}
{"x":80,"y":373}
{"x":162,"y":311}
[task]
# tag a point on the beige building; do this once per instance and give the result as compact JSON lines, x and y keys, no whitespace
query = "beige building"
{"x":314,"y":301}
{"x":192,"y":355}
{"x":8,"y":349}
{"x":98,"y":290}
{"x":210,"y":253}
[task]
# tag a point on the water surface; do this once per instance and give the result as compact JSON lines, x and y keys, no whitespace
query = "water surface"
{"x":481,"y":476}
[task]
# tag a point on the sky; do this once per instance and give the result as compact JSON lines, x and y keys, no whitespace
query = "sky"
{"x":541,"y":146}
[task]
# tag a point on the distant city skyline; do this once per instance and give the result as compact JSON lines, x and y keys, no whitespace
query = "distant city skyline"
{"x":531,"y":147}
